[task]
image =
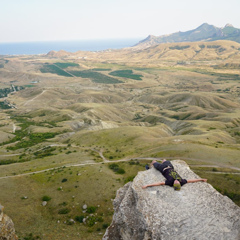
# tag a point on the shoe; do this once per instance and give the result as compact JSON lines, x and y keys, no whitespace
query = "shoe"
{"x":147,"y":167}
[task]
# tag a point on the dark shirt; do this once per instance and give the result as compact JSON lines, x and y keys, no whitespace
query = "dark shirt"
{"x":170,"y":174}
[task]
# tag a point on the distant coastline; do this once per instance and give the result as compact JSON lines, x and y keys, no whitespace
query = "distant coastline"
{"x":31,"y":48}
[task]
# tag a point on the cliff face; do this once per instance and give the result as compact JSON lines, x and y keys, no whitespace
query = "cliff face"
{"x":198,"y":211}
{"x":7,"y":231}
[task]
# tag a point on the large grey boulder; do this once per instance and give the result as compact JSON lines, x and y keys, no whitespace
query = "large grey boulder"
{"x":197,"y":212}
{"x":7,"y":231}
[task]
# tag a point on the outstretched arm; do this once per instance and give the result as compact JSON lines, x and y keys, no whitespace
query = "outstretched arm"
{"x":154,"y":184}
{"x":196,"y":180}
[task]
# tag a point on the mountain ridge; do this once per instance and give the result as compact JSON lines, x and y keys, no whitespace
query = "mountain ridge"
{"x":204,"y":32}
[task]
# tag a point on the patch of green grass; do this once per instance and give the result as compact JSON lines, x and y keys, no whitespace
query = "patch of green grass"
{"x":129,"y":179}
{"x":30,"y":236}
{"x":177,"y":47}
{"x":31,"y":140}
{"x":29,"y":85}
{"x":50,"y":68}
{"x":95,"y":188}
{"x":5,"y":162}
{"x":202,"y":46}
{"x":226,"y":184}
{"x":222,"y":76}
{"x":213,"y":46}
{"x":3,"y":105}
{"x":101,"y":69}
{"x":126,"y":74}
{"x":5,"y":91}
{"x":45,"y":152}
{"x":64,"y":211}
{"x":25,"y":139}
{"x":66,"y":64}
{"x":95,"y":77}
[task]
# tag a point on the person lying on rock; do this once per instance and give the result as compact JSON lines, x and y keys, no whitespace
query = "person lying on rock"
{"x":173,"y":179}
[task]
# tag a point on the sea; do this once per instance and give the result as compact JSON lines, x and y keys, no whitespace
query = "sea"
{"x":33,"y":48}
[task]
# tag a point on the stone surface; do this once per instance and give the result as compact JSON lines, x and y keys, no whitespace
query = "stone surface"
{"x":44,"y":203}
{"x":7,"y":231}
{"x":198,"y":211}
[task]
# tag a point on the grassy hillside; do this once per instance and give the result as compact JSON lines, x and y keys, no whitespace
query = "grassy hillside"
{"x":74,"y":140}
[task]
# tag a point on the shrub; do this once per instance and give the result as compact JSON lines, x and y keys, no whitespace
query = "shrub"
{"x":132,"y":162}
{"x":91,"y":221}
{"x":129,"y":179}
{"x":113,"y":166}
{"x":91,"y":209}
{"x":64,"y":211}
{"x":100,"y":219}
{"x":63,"y":204}
{"x":64,"y":180}
{"x":105,"y":225}
{"x":120,"y":171}
{"x":79,"y":218}
{"x":46,"y":198}
{"x":116,"y":168}
{"x":70,"y":222}
{"x":221,"y":49}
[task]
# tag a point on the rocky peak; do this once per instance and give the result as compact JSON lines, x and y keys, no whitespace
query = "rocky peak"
{"x":228,"y":25}
{"x":61,"y":53}
{"x":7,"y":231}
{"x":204,"y":32}
{"x":197,"y":211}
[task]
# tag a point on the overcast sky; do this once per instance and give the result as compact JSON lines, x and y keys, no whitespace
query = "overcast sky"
{"x":44,"y":20}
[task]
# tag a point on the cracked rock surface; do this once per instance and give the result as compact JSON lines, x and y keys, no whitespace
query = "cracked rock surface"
{"x":7,"y":231}
{"x":197,"y":211}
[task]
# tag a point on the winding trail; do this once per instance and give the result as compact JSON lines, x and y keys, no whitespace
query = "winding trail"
{"x":100,"y":152}
{"x":34,"y":98}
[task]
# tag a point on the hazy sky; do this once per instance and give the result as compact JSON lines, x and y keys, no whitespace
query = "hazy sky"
{"x":43,"y":20}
